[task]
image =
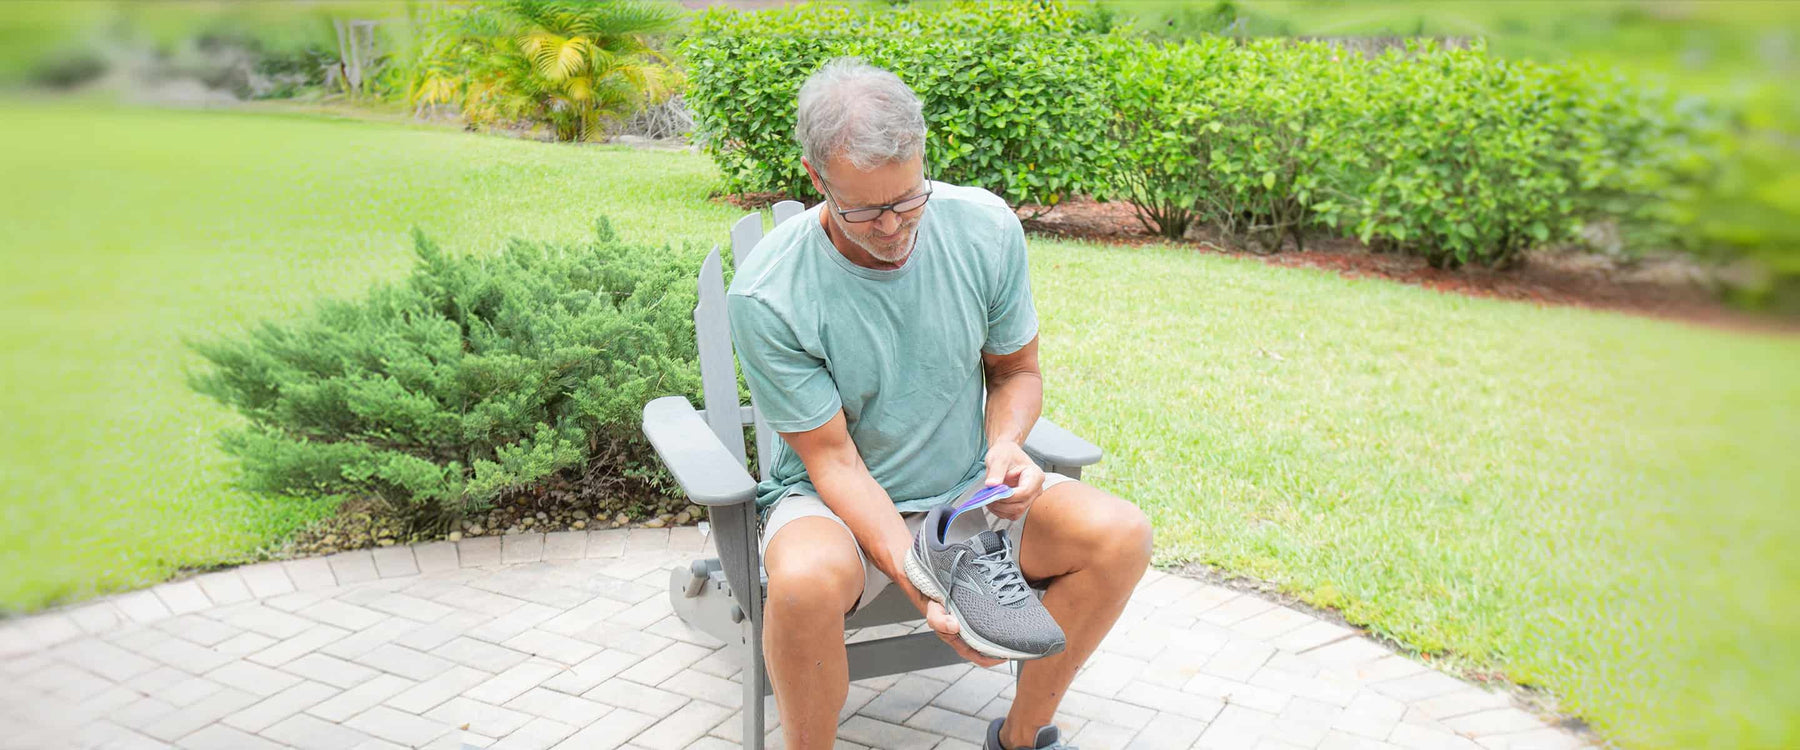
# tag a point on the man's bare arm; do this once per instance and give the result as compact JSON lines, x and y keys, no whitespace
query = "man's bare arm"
{"x":847,"y":488}
{"x":1015,"y":394}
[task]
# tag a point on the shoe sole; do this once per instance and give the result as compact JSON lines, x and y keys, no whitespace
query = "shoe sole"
{"x":927,"y":585}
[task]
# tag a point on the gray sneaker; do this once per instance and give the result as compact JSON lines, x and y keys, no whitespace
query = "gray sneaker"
{"x":1048,"y":738}
{"x":979,"y":582}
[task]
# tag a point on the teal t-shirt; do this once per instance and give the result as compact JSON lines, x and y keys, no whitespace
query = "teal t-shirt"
{"x":898,"y":350}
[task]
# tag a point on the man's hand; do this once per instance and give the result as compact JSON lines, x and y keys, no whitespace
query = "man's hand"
{"x":1008,"y":464}
{"x":936,"y":615}
{"x":947,"y":628}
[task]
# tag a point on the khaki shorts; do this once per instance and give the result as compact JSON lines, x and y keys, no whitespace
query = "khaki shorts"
{"x":799,"y":504}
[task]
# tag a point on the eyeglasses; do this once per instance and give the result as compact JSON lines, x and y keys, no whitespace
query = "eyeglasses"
{"x":865,"y":214}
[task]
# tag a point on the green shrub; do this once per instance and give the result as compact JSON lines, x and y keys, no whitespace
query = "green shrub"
{"x":1465,"y":157}
{"x":1450,"y":154}
{"x":1161,"y":125}
{"x":1246,"y":138}
{"x":67,"y":69}
{"x":474,"y":377}
{"x":1635,"y":154}
{"x":1012,"y":97}
{"x":291,"y":71}
{"x":1460,"y":158}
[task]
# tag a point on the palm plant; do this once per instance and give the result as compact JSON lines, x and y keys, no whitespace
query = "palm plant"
{"x":571,"y":65}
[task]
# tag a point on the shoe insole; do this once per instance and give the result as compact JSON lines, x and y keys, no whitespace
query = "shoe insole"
{"x":983,"y":497}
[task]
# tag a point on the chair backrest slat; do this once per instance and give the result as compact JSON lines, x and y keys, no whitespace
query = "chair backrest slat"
{"x":744,"y":236}
{"x":718,"y":370}
{"x":766,"y":439}
{"x":787,"y":210}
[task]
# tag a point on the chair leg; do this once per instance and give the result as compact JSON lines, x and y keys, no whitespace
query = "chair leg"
{"x":754,"y":687}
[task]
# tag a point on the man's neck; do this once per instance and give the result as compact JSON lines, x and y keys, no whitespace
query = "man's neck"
{"x":853,"y":252}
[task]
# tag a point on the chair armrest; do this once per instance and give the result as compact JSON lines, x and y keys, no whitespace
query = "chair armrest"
{"x":701,"y":464}
{"x":1053,"y":445}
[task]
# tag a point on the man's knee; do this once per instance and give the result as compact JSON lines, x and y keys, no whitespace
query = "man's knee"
{"x":1120,"y":532}
{"x":813,"y":565}
{"x":1135,"y":535}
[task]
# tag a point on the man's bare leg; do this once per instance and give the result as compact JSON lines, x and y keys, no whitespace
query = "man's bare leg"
{"x":1098,"y":547}
{"x":815,"y":577}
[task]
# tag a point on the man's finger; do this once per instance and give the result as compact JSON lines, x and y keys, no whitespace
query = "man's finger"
{"x":940,"y":620}
{"x":980,"y":659}
{"x":1035,"y":482}
{"x":1015,"y":504}
{"x":967,"y":652}
{"x":994,"y":471}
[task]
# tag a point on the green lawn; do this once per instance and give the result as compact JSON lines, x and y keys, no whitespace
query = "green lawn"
{"x":1593,"y":503}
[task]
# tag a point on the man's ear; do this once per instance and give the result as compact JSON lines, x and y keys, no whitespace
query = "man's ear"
{"x":818,"y":184}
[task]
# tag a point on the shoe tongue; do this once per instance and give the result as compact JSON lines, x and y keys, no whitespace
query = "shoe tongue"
{"x":1047,"y":736}
{"x":988,"y":542}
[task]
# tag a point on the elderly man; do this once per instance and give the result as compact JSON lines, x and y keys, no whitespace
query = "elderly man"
{"x":860,"y":325}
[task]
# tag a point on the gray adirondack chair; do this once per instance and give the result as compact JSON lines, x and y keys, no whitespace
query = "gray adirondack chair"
{"x":705,"y":451}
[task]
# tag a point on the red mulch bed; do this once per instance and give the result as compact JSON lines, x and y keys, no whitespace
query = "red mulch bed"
{"x":753,"y":201}
{"x":1664,"y":289}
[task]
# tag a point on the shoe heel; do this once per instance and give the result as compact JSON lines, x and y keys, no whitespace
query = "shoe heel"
{"x":922,"y":580}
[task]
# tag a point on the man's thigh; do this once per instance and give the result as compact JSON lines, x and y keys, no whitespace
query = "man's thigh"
{"x":816,"y":532}
{"x":970,"y":524}
{"x":1071,"y":522}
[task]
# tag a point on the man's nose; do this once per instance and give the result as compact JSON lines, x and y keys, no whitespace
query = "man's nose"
{"x":888,"y":223}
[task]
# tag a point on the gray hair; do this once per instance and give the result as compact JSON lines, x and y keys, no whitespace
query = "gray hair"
{"x":862,"y":113}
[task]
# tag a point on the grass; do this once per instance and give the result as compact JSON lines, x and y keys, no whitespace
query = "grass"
{"x":1595,"y":504}
{"x":1587,"y":502}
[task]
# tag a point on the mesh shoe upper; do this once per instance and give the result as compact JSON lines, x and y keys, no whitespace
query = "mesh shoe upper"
{"x":980,"y":575}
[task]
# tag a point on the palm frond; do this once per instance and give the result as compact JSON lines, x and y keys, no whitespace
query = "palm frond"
{"x":615,"y":19}
{"x":570,"y":64}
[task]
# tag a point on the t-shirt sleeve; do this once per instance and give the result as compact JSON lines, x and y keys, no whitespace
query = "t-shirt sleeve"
{"x":793,"y":390}
{"x":1012,"y":318}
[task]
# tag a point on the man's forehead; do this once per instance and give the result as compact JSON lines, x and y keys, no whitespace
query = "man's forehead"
{"x":884,"y":184}
{"x":885,"y":191}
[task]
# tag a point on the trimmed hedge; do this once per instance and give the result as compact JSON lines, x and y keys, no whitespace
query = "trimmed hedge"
{"x":1450,"y":154}
{"x":1471,"y":158}
{"x":1013,"y":99}
{"x":1250,"y":139}
{"x":474,"y":377}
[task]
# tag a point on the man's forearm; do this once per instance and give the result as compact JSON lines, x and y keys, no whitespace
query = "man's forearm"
{"x":1013,"y":406}
{"x":853,"y":494}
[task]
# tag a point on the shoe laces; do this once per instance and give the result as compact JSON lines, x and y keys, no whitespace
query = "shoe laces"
{"x":1009,"y":584}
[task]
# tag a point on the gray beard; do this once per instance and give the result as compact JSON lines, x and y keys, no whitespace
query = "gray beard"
{"x":897,"y":255}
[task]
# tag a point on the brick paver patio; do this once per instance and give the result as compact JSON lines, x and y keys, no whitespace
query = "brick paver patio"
{"x":567,"y":640}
